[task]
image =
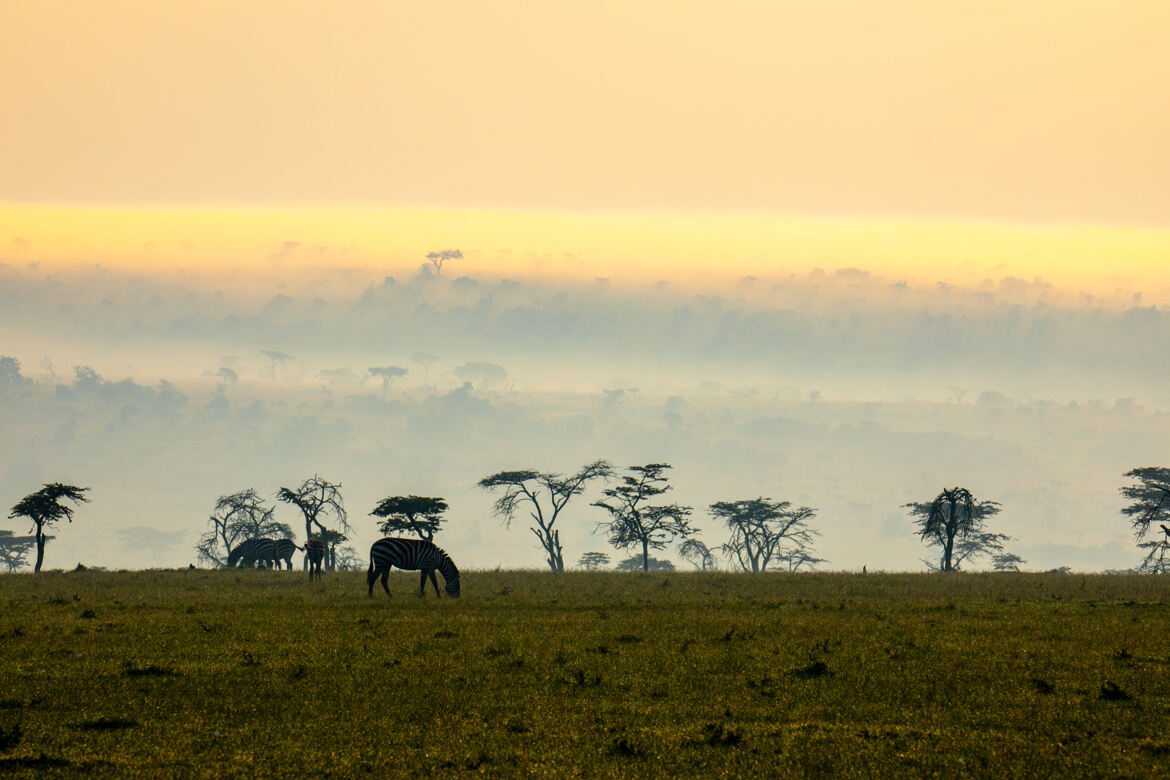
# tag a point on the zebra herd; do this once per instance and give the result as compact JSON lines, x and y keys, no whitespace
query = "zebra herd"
{"x":407,"y":554}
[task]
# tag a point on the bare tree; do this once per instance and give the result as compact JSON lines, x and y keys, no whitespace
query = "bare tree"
{"x":534,"y":487}
{"x":438,"y":258}
{"x":1149,"y":497}
{"x":953,"y":521}
{"x":44,"y":508}
{"x":276,"y":357}
{"x":698,"y":555}
{"x":765,"y":532}
{"x":236,"y":517}
{"x":635,"y":523}
{"x":417,"y":515}
{"x":593,"y":560}
{"x":318,"y":499}
{"x":387,"y":373}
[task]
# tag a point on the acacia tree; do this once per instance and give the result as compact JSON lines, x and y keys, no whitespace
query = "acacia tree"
{"x":1006,"y":562}
{"x":698,"y":555}
{"x":953,"y":521}
{"x":275,"y":357}
{"x":635,"y":523}
{"x":318,"y":499}
{"x":593,"y":560}
{"x":438,"y":258}
{"x":1149,"y":497}
{"x":639,"y":563}
{"x":14,"y":549}
{"x":44,"y":508}
{"x":387,"y":373}
{"x":236,"y":517}
{"x":417,"y":515}
{"x":765,"y":532}
{"x":546,"y":495}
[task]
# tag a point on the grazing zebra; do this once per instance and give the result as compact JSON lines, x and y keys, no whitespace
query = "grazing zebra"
{"x":249,"y":551}
{"x":412,"y":554}
{"x":263,"y":550}
{"x":314,"y":552}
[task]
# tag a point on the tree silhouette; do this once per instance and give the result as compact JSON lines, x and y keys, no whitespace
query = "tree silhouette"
{"x":317,"y":499}
{"x":953,"y":521}
{"x":1006,"y":562}
{"x":14,"y":549}
{"x":765,"y":532}
{"x":44,"y":508}
{"x":438,"y":258}
{"x":698,"y":555}
{"x":417,"y":515}
{"x":1149,"y":497}
{"x":425,"y":359}
{"x":386,"y":373}
{"x":635,"y":523}
{"x":531,"y":487}
{"x":593,"y":560}
{"x":239,"y":516}
{"x":276,"y":357}
{"x":639,"y":563}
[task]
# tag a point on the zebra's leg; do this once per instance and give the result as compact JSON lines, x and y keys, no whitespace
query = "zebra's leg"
{"x":386,"y":581}
{"x":422,"y":583}
{"x":435,"y":582}
{"x":371,"y":575}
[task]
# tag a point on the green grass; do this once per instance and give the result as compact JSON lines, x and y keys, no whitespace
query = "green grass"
{"x":211,"y":672}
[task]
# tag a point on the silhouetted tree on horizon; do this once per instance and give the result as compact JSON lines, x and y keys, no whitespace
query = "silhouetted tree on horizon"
{"x":44,"y":508}
{"x":437,"y":259}
{"x":1149,"y":497}
{"x":638,"y":563}
{"x":387,"y":373}
{"x":528,"y":486}
{"x":236,"y":517}
{"x":317,"y":499}
{"x":593,"y":560}
{"x":14,"y":549}
{"x":953,"y":521}
{"x":635,"y":523}
{"x":276,"y":357}
{"x":417,"y":515}
{"x":764,"y":532}
{"x":697,"y":554}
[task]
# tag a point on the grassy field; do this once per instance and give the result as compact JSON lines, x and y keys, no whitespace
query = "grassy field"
{"x":258,"y":672}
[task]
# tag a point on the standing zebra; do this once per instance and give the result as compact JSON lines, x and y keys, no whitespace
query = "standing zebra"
{"x":282,"y":550}
{"x":411,"y":554}
{"x":314,"y":551}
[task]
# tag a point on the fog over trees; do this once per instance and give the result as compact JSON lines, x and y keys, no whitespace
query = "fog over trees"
{"x":837,"y":390}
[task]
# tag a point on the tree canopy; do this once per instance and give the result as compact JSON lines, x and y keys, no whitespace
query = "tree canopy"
{"x":633,"y":522}
{"x":44,"y":508}
{"x":546,"y":495}
{"x":418,"y":515}
{"x":953,"y":522}
{"x":766,"y":532}
{"x":1149,"y":497}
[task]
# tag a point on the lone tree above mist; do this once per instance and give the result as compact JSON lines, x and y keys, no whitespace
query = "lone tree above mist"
{"x":1149,"y":497}
{"x":633,"y":522}
{"x":239,"y":516}
{"x":698,"y":555}
{"x":276,"y":357}
{"x":531,"y":488}
{"x":44,"y":508}
{"x":417,"y":515}
{"x":953,"y":521}
{"x":318,"y":499}
{"x":437,"y":259}
{"x":766,"y":532}
{"x":591,"y":561}
{"x":387,"y":373}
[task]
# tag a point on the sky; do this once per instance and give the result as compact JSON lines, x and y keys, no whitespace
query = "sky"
{"x":878,"y":227}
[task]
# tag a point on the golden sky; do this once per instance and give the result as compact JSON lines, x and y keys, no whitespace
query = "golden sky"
{"x":1046,"y":110}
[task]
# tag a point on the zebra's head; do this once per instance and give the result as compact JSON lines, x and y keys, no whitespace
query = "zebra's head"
{"x":234,"y":556}
{"x":452,"y":586}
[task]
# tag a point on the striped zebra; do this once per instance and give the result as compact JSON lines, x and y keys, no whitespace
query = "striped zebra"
{"x":314,"y":552}
{"x":262,"y":550}
{"x":411,"y":554}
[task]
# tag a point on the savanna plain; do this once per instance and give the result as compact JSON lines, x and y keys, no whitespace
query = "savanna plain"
{"x":195,"y":672}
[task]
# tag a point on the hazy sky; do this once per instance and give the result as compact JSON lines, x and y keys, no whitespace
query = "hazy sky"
{"x":1044,"y":110}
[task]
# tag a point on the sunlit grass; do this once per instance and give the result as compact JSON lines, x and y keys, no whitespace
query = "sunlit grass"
{"x":210,"y":672}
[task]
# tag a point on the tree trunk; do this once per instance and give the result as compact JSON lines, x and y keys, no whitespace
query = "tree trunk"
{"x":40,"y":547}
{"x":645,"y":556}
